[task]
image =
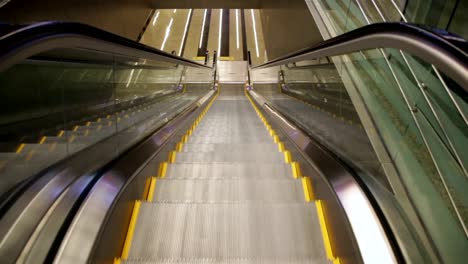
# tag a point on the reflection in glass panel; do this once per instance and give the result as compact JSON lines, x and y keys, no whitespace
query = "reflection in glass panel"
{"x":69,"y":100}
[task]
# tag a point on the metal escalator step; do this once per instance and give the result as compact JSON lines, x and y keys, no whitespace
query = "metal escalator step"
{"x":223,"y":231}
{"x":227,"y":261}
{"x":257,"y":157}
{"x":248,"y":148}
{"x":228,"y":171}
{"x":209,"y":190}
{"x":253,"y":138}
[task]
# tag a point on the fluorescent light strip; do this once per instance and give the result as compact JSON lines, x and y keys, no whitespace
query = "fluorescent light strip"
{"x":237,"y":27}
{"x":185,"y":32}
{"x":220,"y":31}
{"x":202,"y":30}
{"x":175,"y":10}
{"x":255,"y":33}
{"x":155,"y":18}
{"x":168,"y":31}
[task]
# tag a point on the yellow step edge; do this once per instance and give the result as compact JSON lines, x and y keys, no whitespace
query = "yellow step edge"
{"x":151,"y":189}
{"x":172,"y":156}
{"x":116,"y":261}
{"x":179,"y":146}
{"x":276,"y":138}
{"x":272,"y":132}
{"x":281,"y":147}
{"x":42,"y":140}
{"x":60,"y":133}
{"x":184,"y":139}
{"x":307,"y":187}
{"x":325,"y":233}
{"x":131,"y":230}
{"x":287,"y":156}
{"x":20,"y":148}
{"x":296,"y":170}
{"x":147,"y":186}
{"x":162,"y":169}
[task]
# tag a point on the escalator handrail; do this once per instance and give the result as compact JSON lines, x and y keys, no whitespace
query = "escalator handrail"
{"x":444,"y":53}
{"x":24,"y":42}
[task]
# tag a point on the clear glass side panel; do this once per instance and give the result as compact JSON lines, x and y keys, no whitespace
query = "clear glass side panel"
{"x":424,"y":133}
{"x":346,"y":15}
{"x":312,"y":94}
{"x":69,"y":100}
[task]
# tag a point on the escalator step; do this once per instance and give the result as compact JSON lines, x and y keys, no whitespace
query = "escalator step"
{"x":228,"y":171}
{"x":209,"y":190}
{"x":224,"y":231}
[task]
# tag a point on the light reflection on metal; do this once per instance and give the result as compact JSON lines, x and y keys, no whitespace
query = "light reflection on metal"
{"x":366,"y":228}
{"x":202,"y":29}
{"x":255,"y":32}
{"x":185,"y":32}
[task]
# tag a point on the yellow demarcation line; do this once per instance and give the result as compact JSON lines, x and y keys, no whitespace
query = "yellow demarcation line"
{"x":150,"y":184}
{"x":131,"y":230}
{"x":151,"y":189}
{"x":60,"y":133}
{"x":306,"y":184}
{"x":42,"y":140}
{"x":20,"y":148}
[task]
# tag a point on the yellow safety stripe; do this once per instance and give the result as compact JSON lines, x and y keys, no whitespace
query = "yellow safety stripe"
{"x":162,"y":170}
{"x":131,"y":230}
{"x":20,"y":148}
{"x":325,"y":233}
{"x":151,"y":189}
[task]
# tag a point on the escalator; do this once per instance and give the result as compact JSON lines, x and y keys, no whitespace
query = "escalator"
{"x":223,"y":193}
{"x":153,"y":160}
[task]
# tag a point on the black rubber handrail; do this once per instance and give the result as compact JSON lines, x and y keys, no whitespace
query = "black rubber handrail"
{"x":31,"y":35}
{"x":447,"y":52}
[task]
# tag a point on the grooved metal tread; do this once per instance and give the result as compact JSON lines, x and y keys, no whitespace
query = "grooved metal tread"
{"x":257,"y":157}
{"x":225,"y":147}
{"x":223,"y":231}
{"x":205,"y":190}
{"x":227,"y":261}
{"x":228,"y":170}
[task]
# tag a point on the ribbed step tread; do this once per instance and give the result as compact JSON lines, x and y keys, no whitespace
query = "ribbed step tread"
{"x":248,"y":148}
{"x":224,"y":231}
{"x":206,"y":190}
{"x":256,"y":157}
{"x":234,"y":139}
{"x":228,"y":171}
{"x":227,"y":261}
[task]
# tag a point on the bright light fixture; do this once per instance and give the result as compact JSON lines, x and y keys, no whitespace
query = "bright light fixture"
{"x":255,"y":33}
{"x":185,"y":32}
{"x":168,"y":31}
